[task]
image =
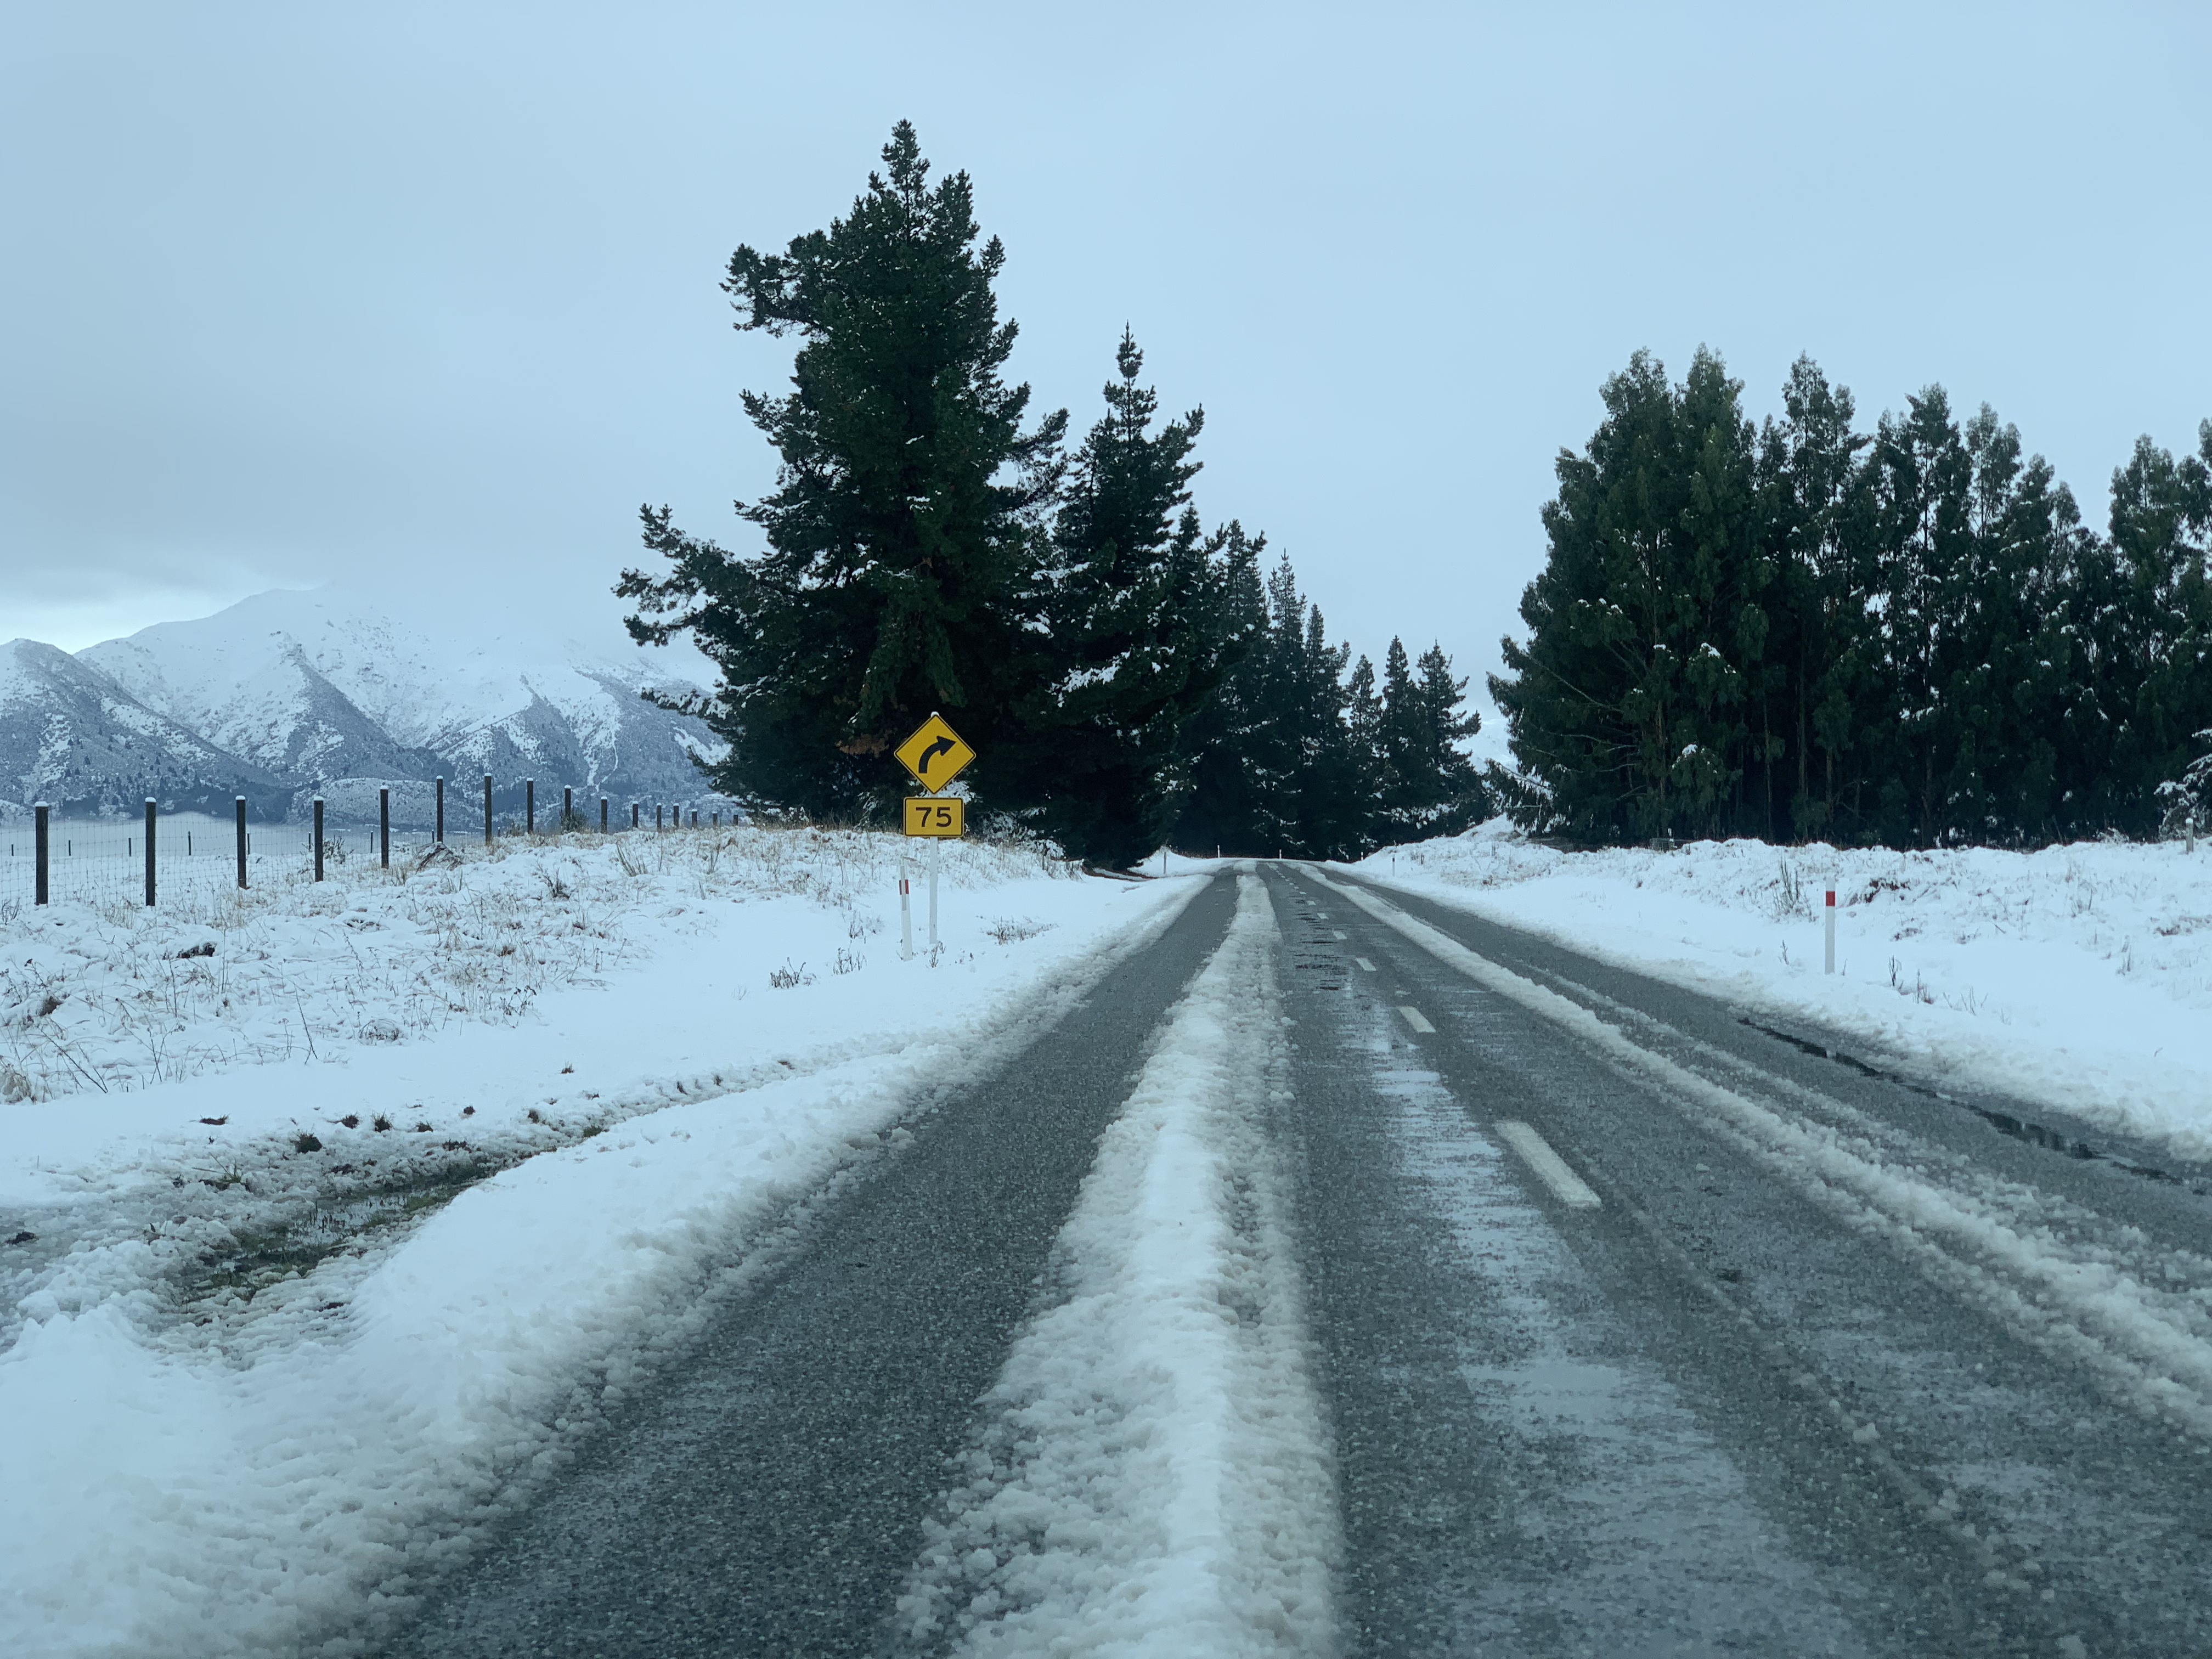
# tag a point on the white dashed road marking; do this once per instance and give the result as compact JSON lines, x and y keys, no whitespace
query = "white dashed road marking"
{"x":1365,"y":965}
{"x":1566,"y":1186}
{"x":1340,"y":933}
{"x":1416,"y":1018}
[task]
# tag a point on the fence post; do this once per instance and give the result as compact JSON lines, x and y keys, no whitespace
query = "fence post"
{"x":567,"y":806}
{"x":441,"y":836}
{"x":239,"y":811}
{"x":318,"y":838}
{"x":42,"y":839}
{"x":149,"y":851}
{"x":487,"y":809}
{"x":656,"y":810}
{"x":530,"y":806}
{"x":384,"y":825}
{"x":603,"y":815}
{"x":635,"y":809}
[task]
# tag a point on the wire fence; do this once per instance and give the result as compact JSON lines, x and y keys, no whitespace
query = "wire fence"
{"x":103,"y":860}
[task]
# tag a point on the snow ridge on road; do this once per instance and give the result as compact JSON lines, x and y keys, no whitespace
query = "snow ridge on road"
{"x":1155,"y":1475}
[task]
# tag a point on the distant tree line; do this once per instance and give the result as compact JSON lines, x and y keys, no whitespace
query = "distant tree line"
{"x":1127,"y":676}
{"x":1907,"y":637}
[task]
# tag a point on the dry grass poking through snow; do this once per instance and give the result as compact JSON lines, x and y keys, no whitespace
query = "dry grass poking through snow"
{"x":104,"y":998}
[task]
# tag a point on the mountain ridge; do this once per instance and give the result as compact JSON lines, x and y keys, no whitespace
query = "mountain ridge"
{"x":286,"y":693}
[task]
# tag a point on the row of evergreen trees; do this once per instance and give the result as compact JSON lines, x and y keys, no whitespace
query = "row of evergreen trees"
{"x":1800,"y":629}
{"x":1296,"y":753}
{"x":1124,"y":675}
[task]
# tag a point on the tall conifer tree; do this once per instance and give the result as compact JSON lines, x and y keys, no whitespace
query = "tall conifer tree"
{"x":1137,"y":607}
{"x":1226,"y":744}
{"x":903,"y":535}
{"x":1626,"y":702}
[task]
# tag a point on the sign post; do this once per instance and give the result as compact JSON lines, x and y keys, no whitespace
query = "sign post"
{"x":935,"y":754}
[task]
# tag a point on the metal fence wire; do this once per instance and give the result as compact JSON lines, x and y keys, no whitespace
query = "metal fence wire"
{"x":102,"y":860}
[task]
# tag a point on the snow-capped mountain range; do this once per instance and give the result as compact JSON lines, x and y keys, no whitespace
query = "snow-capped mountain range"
{"x":287,"y":695}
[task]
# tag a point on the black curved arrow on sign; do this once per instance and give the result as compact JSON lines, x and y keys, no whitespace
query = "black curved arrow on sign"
{"x":942,"y":747}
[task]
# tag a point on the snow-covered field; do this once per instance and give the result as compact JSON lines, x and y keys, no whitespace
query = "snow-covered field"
{"x":2079,"y":977}
{"x":319,"y":1250}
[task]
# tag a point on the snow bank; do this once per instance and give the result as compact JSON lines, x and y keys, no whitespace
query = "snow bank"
{"x":272,"y":1371}
{"x":1155,"y":1475}
{"x":2077,"y":977}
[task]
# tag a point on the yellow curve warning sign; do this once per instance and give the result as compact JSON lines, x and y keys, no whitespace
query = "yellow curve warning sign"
{"x":936,"y":814}
{"x":935,"y":754}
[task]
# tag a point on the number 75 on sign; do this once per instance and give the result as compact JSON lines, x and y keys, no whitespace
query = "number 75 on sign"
{"x":936,"y":814}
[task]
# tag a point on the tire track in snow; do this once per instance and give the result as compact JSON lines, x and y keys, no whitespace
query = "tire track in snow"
{"x":2147,"y":1344}
{"x":1154,"y":1474}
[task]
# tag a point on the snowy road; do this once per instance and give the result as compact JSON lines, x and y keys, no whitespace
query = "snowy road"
{"x":1348,"y":1275}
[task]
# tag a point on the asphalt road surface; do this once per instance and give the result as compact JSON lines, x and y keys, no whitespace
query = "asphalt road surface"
{"x":1639,"y":1327}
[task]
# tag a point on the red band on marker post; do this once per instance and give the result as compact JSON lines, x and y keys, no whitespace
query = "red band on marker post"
{"x":1832,"y":898}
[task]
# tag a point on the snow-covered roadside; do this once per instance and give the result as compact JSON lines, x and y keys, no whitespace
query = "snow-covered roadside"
{"x":1155,"y":1477}
{"x":106,"y":996}
{"x":222,"y":1445}
{"x":2076,"y":977}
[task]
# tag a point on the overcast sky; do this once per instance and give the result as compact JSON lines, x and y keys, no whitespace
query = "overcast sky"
{"x":427,"y":297}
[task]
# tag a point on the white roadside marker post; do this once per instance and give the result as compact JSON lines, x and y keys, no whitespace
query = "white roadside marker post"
{"x":1831,"y":930}
{"x":906,"y":914}
{"x":932,"y":894}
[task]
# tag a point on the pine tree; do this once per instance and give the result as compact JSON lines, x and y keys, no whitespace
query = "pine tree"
{"x":1363,"y":719}
{"x":1923,"y":482}
{"x":1225,"y":743}
{"x":2154,"y":643}
{"x":2007,"y":690}
{"x":1401,"y":792}
{"x":903,"y":536}
{"x":1456,"y":798}
{"x":1815,"y":704}
{"x":1333,"y":806}
{"x":1626,"y":706}
{"x":1429,"y":787}
{"x":1276,"y":762}
{"x":1136,"y":604}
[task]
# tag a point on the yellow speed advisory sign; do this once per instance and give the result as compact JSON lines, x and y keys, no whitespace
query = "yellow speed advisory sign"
{"x":935,"y":754}
{"x":936,"y":814}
